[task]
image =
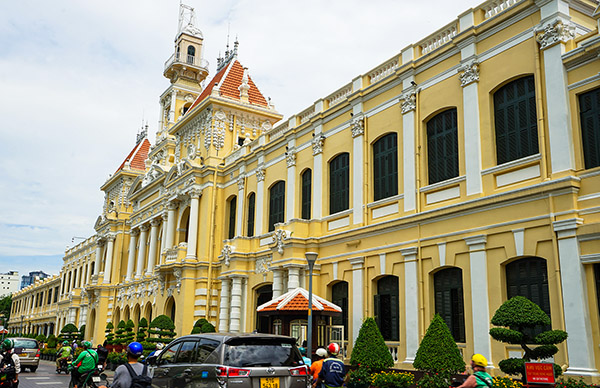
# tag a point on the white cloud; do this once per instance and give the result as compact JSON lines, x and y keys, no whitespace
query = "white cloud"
{"x":77,"y":78}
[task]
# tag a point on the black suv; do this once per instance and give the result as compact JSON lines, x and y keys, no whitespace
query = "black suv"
{"x":238,"y":360}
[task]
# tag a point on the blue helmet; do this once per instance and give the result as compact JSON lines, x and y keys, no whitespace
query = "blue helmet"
{"x":135,"y":349}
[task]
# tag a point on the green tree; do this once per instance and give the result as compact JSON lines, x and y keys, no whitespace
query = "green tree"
{"x":142,"y":327}
{"x":5,"y":303}
{"x":120,"y":333}
{"x":163,"y":328}
{"x":438,"y":356}
{"x":81,"y":333}
{"x":370,"y":350}
{"x":52,"y":341}
{"x":203,"y":326}
{"x":129,"y":334}
{"x":517,"y":318}
{"x":70,"y":332}
{"x":110,"y":336}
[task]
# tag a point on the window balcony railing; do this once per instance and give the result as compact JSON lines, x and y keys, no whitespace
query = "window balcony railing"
{"x":187,"y":59}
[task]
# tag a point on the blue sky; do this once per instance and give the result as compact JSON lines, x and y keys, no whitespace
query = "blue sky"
{"x":77,"y":78}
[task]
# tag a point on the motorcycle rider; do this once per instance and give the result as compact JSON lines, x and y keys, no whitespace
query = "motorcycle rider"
{"x":64,"y":353}
{"x":9,"y":359}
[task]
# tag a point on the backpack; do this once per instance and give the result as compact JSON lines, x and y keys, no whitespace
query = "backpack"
{"x":139,"y":381}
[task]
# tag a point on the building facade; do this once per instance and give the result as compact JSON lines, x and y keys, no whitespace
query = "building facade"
{"x":9,"y":283}
{"x":461,"y":172}
{"x":28,"y":280}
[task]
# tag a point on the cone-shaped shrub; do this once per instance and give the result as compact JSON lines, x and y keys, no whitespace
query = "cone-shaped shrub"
{"x":163,"y":327}
{"x":370,"y":350}
{"x":69,"y":332}
{"x":142,"y":327}
{"x":203,"y":326}
{"x":438,"y":351}
{"x":129,"y":334}
{"x":110,"y":336}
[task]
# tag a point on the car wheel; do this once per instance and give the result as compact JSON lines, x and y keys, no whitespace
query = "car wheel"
{"x":33,"y":369}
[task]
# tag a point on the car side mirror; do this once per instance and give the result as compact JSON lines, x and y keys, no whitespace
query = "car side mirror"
{"x":151,"y":360}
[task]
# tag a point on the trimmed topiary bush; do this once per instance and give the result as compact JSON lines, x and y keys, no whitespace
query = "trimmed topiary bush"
{"x":163,"y":328}
{"x":519,"y":317}
{"x":81,"y":333}
{"x":120,"y":333}
{"x":438,"y":352}
{"x":203,"y":326}
{"x":70,"y":332}
{"x":129,"y":334}
{"x":40,"y":338}
{"x":370,"y":350}
{"x":51,"y":341}
{"x":142,"y":327}
{"x":110,"y":337}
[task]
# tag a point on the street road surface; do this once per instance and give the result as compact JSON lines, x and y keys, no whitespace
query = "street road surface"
{"x":46,"y":377}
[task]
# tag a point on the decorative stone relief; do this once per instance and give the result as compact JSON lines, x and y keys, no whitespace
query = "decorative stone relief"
{"x":555,"y":32}
{"x":226,"y":252}
{"x":290,"y":158}
{"x":240,"y":182}
{"x":191,"y":152}
{"x":260,"y":174}
{"x":470,"y":73}
{"x":358,"y":125}
{"x":317,"y":144}
{"x":409,"y":101}
{"x":161,"y":283}
{"x":177,"y":274}
{"x":151,"y":175}
{"x":278,"y":238}
{"x":263,"y":264}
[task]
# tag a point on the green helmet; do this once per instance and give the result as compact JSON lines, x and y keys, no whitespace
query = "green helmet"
{"x":87,"y":345}
{"x":7,"y":344}
{"x":65,"y":343}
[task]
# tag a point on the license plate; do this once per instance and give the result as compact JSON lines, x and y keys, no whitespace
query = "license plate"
{"x":95,"y":379}
{"x":23,"y":355}
{"x":269,"y":382}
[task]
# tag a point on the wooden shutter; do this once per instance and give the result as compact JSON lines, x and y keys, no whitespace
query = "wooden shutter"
{"x":232,"y":210}
{"x":589,"y":108}
{"x":339,"y":190}
{"x":442,"y":146}
{"x":251,"y":205}
{"x":276,"y":204}
{"x":385,"y":167}
{"x":449,"y":300}
{"x":306,"y":194}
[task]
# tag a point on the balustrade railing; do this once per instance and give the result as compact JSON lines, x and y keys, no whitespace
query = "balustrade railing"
{"x":393,"y":347}
{"x":306,"y":114}
{"x":187,"y":59}
{"x":383,"y":71}
{"x":339,"y":95}
{"x":493,"y":8}
{"x":438,"y":38}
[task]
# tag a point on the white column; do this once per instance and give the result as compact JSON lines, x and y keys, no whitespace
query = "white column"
{"x":170,"y":226}
{"x":109,"y":257}
{"x":411,"y":302}
{"x":165,"y":219}
{"x":260,"y":199}
{"x":83,"y":316}
{"x":358,"y":138}
{"x":293,"y":278}
{"x":290,"y":198}
{"x":408,"y":147}
{"x":357,"y":295}
{"x":155,"y":223}
{"x":468,"y":80}
{"x":172,"y":108}
{"x":277,"y":283}
{"x":224,"y":306}
{"x":317,"y":207}
{"x":236,"y":305}
{"x":552,"y":39}
{"x":577,"y":317}
{"x":479,"y":301}
{"x":239,"y":221}
{"x":141,"y":251}
{"x":76,"y":277}
{"x":131,"y":257}
{"x":98,"y":256}
{"x":193,"y":230}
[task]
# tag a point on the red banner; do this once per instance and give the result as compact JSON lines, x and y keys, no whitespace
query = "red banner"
{"x":539,"y":373}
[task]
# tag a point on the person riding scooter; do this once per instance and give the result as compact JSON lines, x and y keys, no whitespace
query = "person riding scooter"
{"x":64,"y":356}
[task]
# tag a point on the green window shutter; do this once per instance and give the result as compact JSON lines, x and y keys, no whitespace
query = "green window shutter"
{"x":515,"y":119}
{"x":589,"y":111}
{"x":250,"y":223}
{"x":232,"y":209}
{"x":306,"y":194}
{"x":385,"y":167}
{"x":339,"y":190}
{"x":449,"y":300}
{"x":388,"y":307}
{"x":442,"y":146}
{"x":276,"y":204}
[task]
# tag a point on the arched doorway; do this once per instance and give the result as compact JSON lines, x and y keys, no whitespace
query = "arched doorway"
{"x":263,"y":295}
{"x":170,"y":308}
{"x":136,"y":315}
{"x":126,"y":314}
{"x":184,"y":224}
{"x":117,"y":317}
{"x":148,"y":312}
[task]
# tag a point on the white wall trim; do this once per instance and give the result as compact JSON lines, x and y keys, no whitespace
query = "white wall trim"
{"x":519,"y":175}
{"x":385,"y":210}
{"x":511,"y":164}
{"x":339,"y":223}
{"x":443,"y":195}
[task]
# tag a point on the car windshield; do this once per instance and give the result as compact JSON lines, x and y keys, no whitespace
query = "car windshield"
{"x":261,"y":352}
{"x":26,"y":344}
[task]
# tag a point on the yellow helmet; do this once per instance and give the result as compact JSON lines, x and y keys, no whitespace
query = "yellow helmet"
{"x":479,"y":360}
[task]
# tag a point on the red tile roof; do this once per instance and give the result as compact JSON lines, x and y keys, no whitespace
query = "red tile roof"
{"x":297,"y":300}
{"x":137,"y":157}
{"x":229,"y":79}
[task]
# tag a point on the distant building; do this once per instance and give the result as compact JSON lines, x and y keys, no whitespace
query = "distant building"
{"x":9,"y":282}
{"x":28,"y":280}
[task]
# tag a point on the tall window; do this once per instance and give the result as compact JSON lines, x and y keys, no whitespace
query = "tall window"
{"x":516,"y":120}
{"x":276,"y":204}
{"x":387,"y":307}
{"x":263,"y":295}
{"x":529,"y":278}
{"x":339,"y":296}
{"x":589,"y":111}
{"x":191,"y":52}
{"x":385,"y":167}
{"x":250,"y":223}
{"x":306,"y":194}
{"x":232,"y":209}
{"x":449,"y":300}
{"x":339,"y":181}
{"x":442,"y":146}
{"x":597,"y":276}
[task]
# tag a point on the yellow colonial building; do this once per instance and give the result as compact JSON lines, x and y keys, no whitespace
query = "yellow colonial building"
{"x":461,"y":172}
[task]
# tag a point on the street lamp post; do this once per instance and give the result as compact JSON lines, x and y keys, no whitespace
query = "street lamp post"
{"x":311,"y":257}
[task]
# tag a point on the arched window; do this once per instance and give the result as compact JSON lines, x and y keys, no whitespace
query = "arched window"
{"x":385,"y":167}
{"x":387,"y":308}
{"x":276,"y":204}
{"x":306,"y":194}
{"x":528,"y":277}
{"x":339,"y":296}
{"x":263,"y":295}
{"x":442,"y":146}
{"x":589,"y":111}
{"x":250,"y":219}
{"x":232,"y":209}
{"x":449,"y":301}
{"x":339,"y":183}
{"x":191,"y":53}
{"x":516,"y":120}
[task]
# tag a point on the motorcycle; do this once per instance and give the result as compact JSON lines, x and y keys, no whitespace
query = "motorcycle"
{"x":92,"y":379}
{"x":64,"y":366}
{"x":7,"y":375}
